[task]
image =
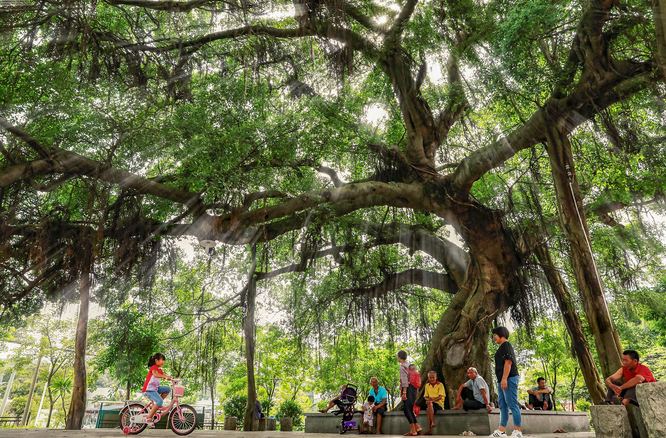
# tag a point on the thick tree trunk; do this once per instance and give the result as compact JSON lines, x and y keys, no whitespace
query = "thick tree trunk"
{"x":77,"y":408}
{"x":461,"y":337}
{"x":659,"y":12}
{"x":574,"y":226}
{"x":248,"y":328}
{"x":573,"y":324}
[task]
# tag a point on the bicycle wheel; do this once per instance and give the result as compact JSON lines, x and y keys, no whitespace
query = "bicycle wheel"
{"x":183,"y":420}
{"x":126,"y":414}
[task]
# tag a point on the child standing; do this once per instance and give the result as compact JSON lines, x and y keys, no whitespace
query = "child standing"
{"x":151,"y":386}
{"x":368,"y":414}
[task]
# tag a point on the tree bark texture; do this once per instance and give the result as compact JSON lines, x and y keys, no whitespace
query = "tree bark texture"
{"x":77,"y":407}
{"x":249,"y":331}
{"x":573,"y":324}
{"x":659,"y":12}
{"x":574,"y":225}
{"x":461,"y":337}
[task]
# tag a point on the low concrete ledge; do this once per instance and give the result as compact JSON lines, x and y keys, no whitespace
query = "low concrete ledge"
{"x":453,"y":422}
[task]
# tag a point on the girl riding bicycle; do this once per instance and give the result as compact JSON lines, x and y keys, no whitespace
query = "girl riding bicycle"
{"x":151,"y":386}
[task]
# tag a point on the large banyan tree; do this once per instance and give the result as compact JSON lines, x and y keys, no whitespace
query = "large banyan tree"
{"x":503,"y":123}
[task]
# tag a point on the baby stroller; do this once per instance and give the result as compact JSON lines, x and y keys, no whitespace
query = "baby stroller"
{"x":346,"y":403}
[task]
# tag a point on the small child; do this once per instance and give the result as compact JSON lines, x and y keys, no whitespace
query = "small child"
{"x":368,"y":414}
{"x":414,"y":376}
{"x":151,"y":386}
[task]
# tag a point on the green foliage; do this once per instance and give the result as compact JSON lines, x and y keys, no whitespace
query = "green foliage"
{"x":291,"y":409}
{"x":128,"y":338}
{"x":235,"y":407}
{"x":583,"y":404}
{"x":284,"y":369}
{"x":641,"y":323}
{"x":548,"y":353}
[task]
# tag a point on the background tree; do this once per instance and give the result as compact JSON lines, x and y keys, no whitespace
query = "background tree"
{"x":128,"y":338}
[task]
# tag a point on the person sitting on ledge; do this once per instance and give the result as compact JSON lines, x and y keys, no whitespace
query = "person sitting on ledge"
{"x":540,"y":396}
{"x":380,"y":395}
{"x":258,"y":415}
{"x":434,"y":396}
{"x":622,"y":383}
{"x":335,"y":401}
{"x":474,"y":393}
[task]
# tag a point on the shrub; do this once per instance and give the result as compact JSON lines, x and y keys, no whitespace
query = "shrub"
{"x":267,"y":407}
{"x":290,"y":408}
{"x":235,"y":407}
{"x":583,"y":404}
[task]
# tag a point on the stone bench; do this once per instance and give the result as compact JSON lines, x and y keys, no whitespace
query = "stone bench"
{"x":451,"y":422}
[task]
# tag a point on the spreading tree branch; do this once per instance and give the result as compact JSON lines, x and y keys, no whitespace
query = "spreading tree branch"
{"x":392,"y":282}
{"x":168,"y":5}
{"x":62,"y":161}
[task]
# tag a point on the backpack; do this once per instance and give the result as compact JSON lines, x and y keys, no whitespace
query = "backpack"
{"x":414,"y":378}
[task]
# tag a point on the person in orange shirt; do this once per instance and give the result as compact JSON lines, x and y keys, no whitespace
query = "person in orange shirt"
{"x":434,"y":396}
{"x":622,"y":383}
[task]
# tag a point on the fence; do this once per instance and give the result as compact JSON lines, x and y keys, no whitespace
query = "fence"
{"x":10,"y":421}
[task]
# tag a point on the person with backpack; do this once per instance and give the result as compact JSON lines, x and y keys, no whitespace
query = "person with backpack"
{"x":407,"y":393}
{"x":435,"y":396}
{"x":415,"y":381}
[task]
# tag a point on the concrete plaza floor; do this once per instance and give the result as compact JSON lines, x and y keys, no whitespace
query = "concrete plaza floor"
{"x":116,"y":433}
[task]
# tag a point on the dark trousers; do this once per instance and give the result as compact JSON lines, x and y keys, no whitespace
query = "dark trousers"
{"x":408,"y":405}
{"x":538,"y":404}
{"x":629,"y":393}
{"x":469,"y":402}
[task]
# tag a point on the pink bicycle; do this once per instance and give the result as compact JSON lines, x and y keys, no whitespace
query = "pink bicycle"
{"x":182,"y":418}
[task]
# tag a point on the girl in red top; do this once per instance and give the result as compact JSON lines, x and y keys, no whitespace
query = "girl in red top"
{"x":151,"y":386}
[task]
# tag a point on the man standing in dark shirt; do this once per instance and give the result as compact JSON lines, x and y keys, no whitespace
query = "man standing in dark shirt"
{"x":507,"y":379}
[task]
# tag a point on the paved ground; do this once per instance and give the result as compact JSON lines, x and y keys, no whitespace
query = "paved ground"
{"x":115,"y":433}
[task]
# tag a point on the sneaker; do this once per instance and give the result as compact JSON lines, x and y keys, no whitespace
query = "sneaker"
{"x":516,"y":434}
{"x":497,"y":434}
{"x":150,"y":424}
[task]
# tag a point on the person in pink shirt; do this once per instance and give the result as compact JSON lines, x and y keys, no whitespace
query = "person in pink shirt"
{"x":151,"y":386}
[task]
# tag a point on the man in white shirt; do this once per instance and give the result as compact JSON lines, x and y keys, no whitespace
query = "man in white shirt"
{"x":474,"y":393}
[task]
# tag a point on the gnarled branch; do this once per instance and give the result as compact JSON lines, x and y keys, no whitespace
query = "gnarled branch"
{"x":392,"y":282}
